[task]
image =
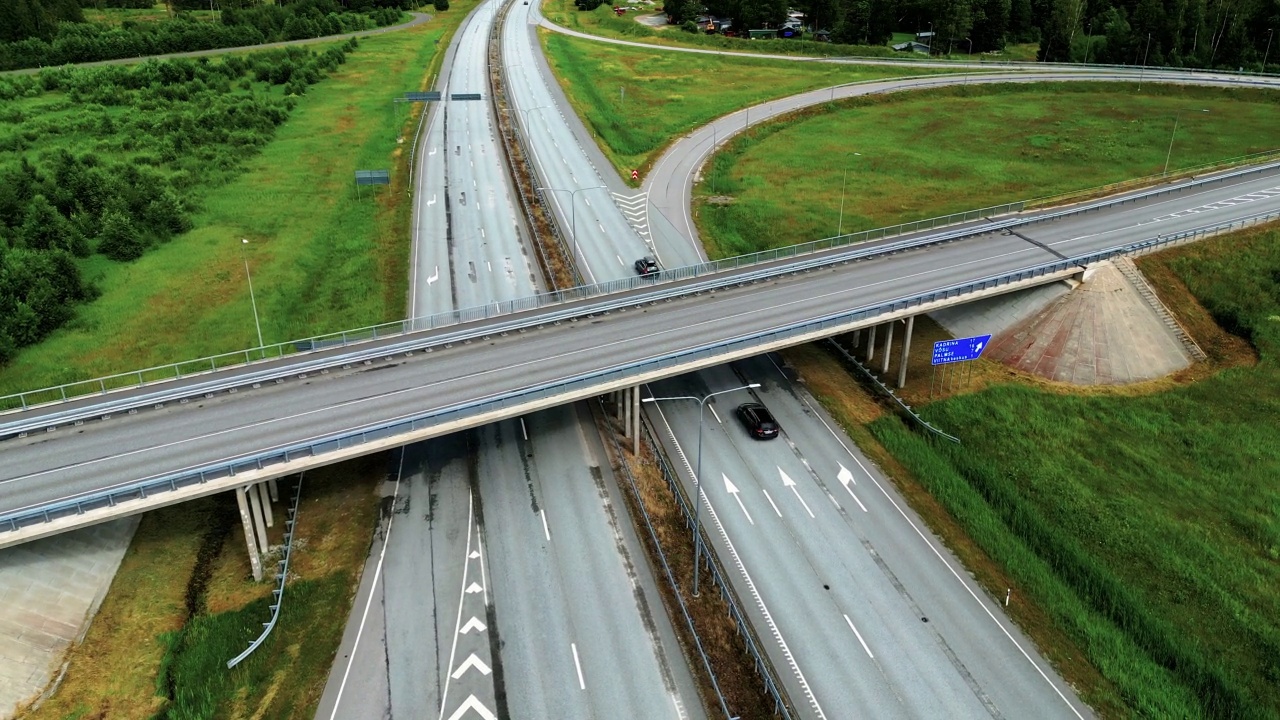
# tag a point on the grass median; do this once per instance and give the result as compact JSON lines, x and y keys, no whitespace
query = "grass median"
{"x":638,"y":101}
{"x":888,"y":159}
{"x":323,"y":256}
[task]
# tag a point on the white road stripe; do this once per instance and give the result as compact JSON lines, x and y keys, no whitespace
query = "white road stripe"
{"x":545,"y":530}
{"x":771,"y":503}
{"x":582,"y":685}
{"x":855,"y":632}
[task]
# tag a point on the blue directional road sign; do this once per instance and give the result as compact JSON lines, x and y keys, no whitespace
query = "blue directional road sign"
{"x":949,"y":351}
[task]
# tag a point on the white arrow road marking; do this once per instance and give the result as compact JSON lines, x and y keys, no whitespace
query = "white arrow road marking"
{"x":845,"y":477}
{"x":473,"y":624}
{"x":855,"y":632}
{"x":471,"y":703}
{"x":432,"y":201}
{"x":473,"y":588}
{"x":788,"y":482}
{"x":733,"y":490}
{"x":433,"y":151}
{"x":582,"y":685}
{"x":471,"y":662}
{"x":434,"y":276}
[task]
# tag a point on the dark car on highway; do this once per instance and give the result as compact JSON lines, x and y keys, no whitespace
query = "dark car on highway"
{"x":647,"y":265}
{"x":759,"y":422}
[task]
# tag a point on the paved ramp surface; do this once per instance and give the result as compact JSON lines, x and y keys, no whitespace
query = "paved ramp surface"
{"x":1101,"y":333}
{"x":49,"y":591}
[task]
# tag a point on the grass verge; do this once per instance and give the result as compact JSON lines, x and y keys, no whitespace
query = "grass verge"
{"x":735,"y":672}
{"x":183,"y":603}
{"x":322,"y":258}
{"x":1147,"y":528}
{"x":638,"y":101}
{"x":902,"y":157}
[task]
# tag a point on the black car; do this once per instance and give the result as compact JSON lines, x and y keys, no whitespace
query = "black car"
{"x":759,"y":422}
{"x":647,"y":265}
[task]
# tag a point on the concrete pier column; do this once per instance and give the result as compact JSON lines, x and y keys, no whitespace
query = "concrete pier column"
{"x":906,"y":348}
{"x":626,"y":414}
{"x":635,"y":415}
{"x":255,"y":559}
{"x":857,"y":337}
{"x":275,"y":491}
{"x":617,"y":399}
{"x":266,"y":504}
{"x":888,"y":345}
{"x":255,"y":509}
{"x":871,"y":343}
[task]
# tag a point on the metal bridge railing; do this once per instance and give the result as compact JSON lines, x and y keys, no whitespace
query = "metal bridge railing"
{"x":835,"y":322}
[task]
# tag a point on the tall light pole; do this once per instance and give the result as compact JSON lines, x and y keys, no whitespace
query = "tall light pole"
{"x":1267,"y":53}
{"x":1144,"y":62}
{"x":1169,"y":154}
{"x":252,"y":300}
{"x":573,"y":209}
{"x":697,"y":475}
{"x":840,"y":224}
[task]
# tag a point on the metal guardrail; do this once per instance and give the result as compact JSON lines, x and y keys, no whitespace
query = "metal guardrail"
{"x":666,"y":569}
{"x":281,"y":576}
{"x":275,"y":456}
{"x":764,"y":666}
{"x":902,"y":405}
{"x":140,"y":378}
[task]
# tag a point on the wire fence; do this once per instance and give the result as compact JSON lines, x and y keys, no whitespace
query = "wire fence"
{"x":763,"y":665}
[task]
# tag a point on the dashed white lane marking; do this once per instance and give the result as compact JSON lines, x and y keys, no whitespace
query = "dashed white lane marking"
{"x":717,"y":415}
{"x":582,"y":685}
{"x":771,"y":503}
{"x":855,"y":632}
{"x":545,"y":530}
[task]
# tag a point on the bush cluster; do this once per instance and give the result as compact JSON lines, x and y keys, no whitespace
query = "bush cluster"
{"x":86,"y":42}
{"x":147,"y":138}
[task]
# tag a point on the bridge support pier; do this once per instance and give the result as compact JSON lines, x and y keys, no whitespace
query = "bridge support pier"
{"x":255,"y":558}
{"x":857,"y":337}
{"x":888,"y":346}
{"x":275,"y":491}
{"x":906,"y":348}
{"x":255,"y":507}
{"x":871,"y":343}
{"x":265,"y":498}
{"x":635,"y":420}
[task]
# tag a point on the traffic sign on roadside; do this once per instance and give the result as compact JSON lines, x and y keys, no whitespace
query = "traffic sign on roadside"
{"x":959,"y":350}
{"x":635,"y":174}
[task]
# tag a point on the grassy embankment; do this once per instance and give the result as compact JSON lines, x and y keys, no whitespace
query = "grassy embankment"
{"x":116,"y":16}
{"x":926,"y":155}
{"x":1147,"y":528}
{"x":670,"y":94}
{"x":182,"y":604}
{"x":1140,"y":528}
{"x":322,"y":259}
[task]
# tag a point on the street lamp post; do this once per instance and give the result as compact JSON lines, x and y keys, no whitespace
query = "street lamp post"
{"x":840,"y":223}
{"x":573,"y":209}
{"x":697,"y":475}
{"x":525,"y":113}
{"x":1267,"y":53}
{"x":252,"y":300}
{"x":1174,"y":134}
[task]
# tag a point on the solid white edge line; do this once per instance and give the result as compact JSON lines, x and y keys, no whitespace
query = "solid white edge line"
{"x":462,"y":594}
{"x":524,"y":430}
{"x":712,"y":408}
{"x":377,"y":574}
{"x":855,"y":632}
{"x":940,"y":557}
{"x":582,"y":685}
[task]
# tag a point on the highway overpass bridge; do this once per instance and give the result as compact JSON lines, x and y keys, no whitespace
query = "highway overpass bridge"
{"x":74,"y":463}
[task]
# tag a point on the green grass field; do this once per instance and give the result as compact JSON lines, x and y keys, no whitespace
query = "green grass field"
{"x":638,"y":101}
{"x":116,"y":16}
{"x":1148,"y":527}
{"x":321,"y":259}
{"x":925,"y":155}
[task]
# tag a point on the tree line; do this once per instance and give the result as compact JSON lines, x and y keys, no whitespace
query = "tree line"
{"x":153,"y":135}
{"x":1224,"y":34}
{"x":42,"y":36}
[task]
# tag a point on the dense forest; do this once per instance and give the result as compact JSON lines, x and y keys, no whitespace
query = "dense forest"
{"x":1227,"y":34}
{"x":41,"y":33}
{"x":112,"y":160}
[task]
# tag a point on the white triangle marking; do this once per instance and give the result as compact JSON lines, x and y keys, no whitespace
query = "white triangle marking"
{"x":473,"y":624}
{"x":473,"y":588}
{"x":471,"y":662}
{"x":471,"y":703}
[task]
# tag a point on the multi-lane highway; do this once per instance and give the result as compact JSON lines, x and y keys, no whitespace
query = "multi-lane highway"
{"x":44,"y":467}
{"x":504,"y":581}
